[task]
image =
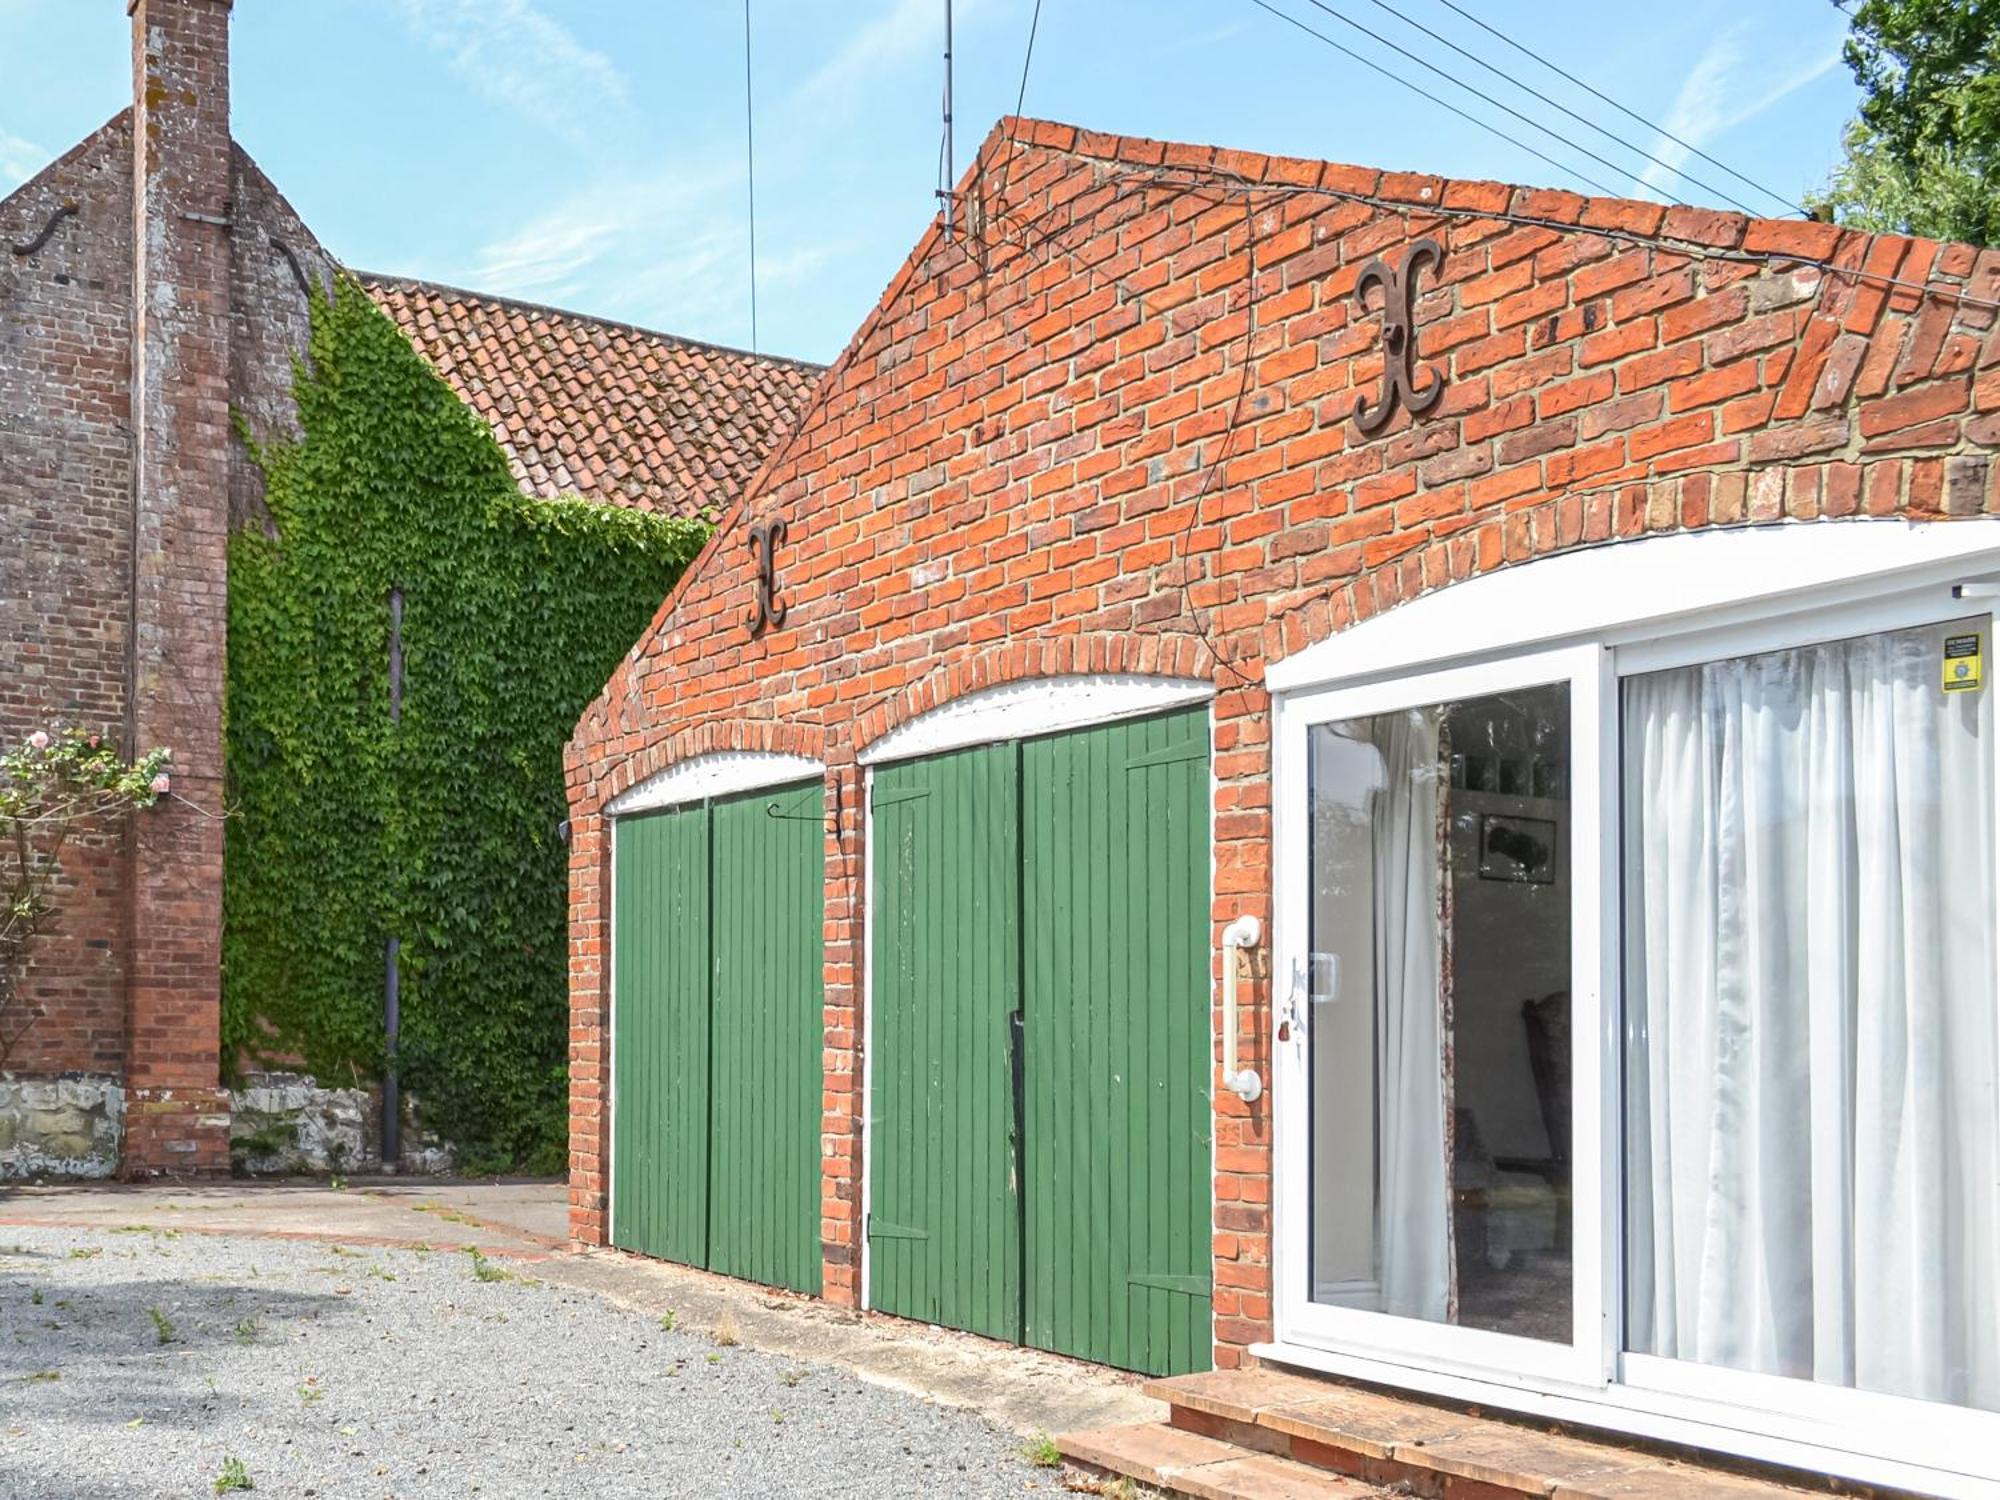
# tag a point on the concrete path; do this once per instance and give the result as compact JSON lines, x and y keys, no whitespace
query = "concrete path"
{"x":1024,"y":1390}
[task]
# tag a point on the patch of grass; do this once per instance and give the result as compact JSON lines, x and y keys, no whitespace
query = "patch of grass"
{"x":247,"y":1331}
{"x":233,"y":1477}
{"x":40,"y":1377}
{"x":725,"y":1333}
{"x":65,"y":1304}
{"x":792,"y":1377}
{"x":777,"y":1417}
{"x":131,"y":1229}
{"x":36,"y":1296}
{"x":163,"y":1325}
{"x":1042,"y":1452}
{"x":715,"y":1359}
{"x":86,"y":1252}
{"x":310,"y":1392}
{"x":381,"y":1275}
{"x":343,"y":1251}
{"x":667,"y":1321}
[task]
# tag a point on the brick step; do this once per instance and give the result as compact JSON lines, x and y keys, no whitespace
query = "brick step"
{"x":1373,"y":1437}
{"x":1175,"y":1461}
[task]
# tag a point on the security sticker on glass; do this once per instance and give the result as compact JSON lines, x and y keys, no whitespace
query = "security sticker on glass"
{"x":1962,"y":664}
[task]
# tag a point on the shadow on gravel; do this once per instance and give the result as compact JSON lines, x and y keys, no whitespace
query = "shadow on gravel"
{"x":112,"y":1353}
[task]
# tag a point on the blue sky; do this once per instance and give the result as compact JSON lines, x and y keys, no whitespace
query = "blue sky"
{"x":589,"y":153}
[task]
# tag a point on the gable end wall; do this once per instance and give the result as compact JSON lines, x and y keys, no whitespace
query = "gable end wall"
{"x":1108,"y":430}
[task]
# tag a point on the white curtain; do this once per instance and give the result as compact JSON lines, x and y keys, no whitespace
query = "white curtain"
{"x":1415,"y":1242}
{"x":1813,"y":1144}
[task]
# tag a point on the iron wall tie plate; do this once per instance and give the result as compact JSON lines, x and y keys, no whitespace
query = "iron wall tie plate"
{"x":767,"y":609}
{"x":1400,"y":371}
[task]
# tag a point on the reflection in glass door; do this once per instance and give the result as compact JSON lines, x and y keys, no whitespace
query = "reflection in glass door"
{"x":1437,"y":985}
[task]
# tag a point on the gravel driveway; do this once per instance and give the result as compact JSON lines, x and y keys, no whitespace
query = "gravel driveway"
{"x":139,"y":1363}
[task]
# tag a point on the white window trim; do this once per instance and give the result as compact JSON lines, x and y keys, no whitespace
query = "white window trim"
{"x":713,"y":775}
{"x":1034,"y":706}
{"x":1638,"y":590}
{"x":1653,"y":604}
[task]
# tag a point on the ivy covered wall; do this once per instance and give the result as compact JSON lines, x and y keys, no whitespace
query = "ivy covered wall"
{"x":443,"y":827}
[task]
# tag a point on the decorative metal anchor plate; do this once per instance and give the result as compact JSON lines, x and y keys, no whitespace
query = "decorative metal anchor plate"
{"x":1400,"y":370}
{"x":768,"y":609}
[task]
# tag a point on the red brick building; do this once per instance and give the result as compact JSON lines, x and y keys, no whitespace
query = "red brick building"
{"x":155,"y":281}
{"x":1524,"y":576}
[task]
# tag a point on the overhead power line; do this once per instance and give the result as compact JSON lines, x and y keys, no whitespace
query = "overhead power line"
{"x":1529,"y":120}
{"x":1595,"y":93}
{"x":1020,"y":99}
{"x":1557,"y":104}
{"x":1368,"y":62}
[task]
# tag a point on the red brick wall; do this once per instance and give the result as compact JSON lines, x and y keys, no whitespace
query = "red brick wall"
{"x":226,"y":314}
{"x":1098,"y":433}
{"x":65,"y":547}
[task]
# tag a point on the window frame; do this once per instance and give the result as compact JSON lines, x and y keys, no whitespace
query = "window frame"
{"x":1853,"y":578}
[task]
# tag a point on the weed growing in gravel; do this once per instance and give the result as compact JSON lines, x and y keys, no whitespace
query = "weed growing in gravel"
{"x":247,"y":1330}
{"x":36,"y":1296}
{"x":86,"y":1252}
{"x":725,"y":1333}
{"x":777,"y":1417}
{"x":483,"y":1268}
{"x":344,"y":1252}
{"x":162,"y":1325}
{"x":381,"y":1275}
{"x":39,"y":1376}
{"x":715,"y":1359}
{"x":65,"y":1305}
{"x":233,"y":1477}
{"x":667,"y":1321}
{"x":1042,"y":1452}
{"x":310,"y":1391}
{"x":792,"y":1377}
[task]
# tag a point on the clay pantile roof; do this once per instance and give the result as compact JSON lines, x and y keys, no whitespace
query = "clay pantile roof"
{"x":603,"y":410}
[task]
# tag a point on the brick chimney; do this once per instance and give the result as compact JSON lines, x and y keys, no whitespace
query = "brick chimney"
{"x":176,"y":1119}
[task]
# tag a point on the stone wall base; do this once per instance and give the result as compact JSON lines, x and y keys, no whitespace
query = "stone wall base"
{"x":60,"y":1127}
{"x":83,"y":1126}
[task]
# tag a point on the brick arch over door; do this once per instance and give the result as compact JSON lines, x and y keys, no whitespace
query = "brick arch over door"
{"x":805,"y":741}
{"x":1168,"y":656}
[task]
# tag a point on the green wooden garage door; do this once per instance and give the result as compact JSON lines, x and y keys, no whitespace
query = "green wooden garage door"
{"x":716,"y":1046}
{"x":1040,"y":1157}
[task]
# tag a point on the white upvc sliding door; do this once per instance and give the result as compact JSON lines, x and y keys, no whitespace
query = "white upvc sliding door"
{"x":1441,"y":1044}
{"x":1636,"y":998}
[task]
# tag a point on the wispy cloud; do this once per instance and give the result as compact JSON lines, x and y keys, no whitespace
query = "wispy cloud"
{"x":666,"y":250}
{"x":19,"y":159}
{"x":902,"y":30}
{"x":518,"y":55}
{"x":1718,"y":95}
{"x":668,"y":247}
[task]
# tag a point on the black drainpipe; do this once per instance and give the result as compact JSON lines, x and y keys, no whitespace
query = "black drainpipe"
{"x":392,"y":975}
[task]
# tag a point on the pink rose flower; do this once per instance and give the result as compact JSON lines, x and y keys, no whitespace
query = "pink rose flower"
{"x":39,"y":739}
{"x":161,"y":784}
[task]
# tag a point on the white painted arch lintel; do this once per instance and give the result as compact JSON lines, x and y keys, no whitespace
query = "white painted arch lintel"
{"x":1032,"y":706}
{"x":716,"y":774}
{"x":1650,"y":585}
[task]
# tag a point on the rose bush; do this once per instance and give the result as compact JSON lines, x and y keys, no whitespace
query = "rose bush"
{"x":53,"y":785}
